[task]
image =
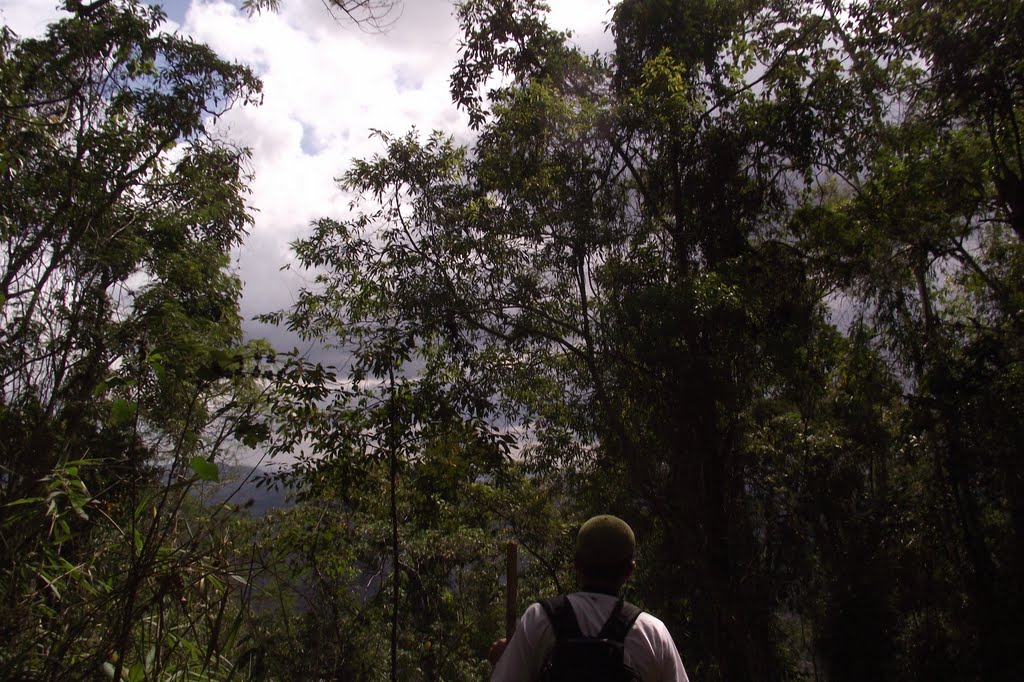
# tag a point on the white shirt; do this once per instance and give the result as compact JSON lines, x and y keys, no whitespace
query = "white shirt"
{"x":648,"y":646}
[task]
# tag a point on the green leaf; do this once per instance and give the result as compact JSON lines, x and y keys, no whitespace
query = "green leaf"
{"x":205,"y":470}
{"x":252,"y":434}
{"x":24,"y":500}
{"x":122,"y":411}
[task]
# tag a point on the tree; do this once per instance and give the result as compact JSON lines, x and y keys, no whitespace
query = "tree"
{"x":120,"y":374}
{"x":609,"y":268}
{"x":403,"y":445}
{"x":340,"y":581}
{"x":636,"y":268}
{"x":922,"y":234}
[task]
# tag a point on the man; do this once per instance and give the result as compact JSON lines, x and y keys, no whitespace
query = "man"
{"x":604,"y":562}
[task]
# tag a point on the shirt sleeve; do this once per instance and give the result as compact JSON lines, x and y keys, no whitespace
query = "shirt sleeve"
{"x":650,"y":649}
{"x":673,"y":670}
{"x":671,"y":664}
{"x":525,"y":653}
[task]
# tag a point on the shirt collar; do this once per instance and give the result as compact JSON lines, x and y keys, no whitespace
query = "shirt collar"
{"x":600,"y":590}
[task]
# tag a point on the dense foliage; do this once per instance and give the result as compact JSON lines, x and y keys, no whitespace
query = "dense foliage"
{"x":751,"y":279}
{"x":119,"y":346}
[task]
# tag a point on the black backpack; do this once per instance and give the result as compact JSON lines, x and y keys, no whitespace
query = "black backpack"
{"x":576,"y":658}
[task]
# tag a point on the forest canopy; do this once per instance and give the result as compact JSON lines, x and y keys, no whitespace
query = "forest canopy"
{"x":750,"y":279}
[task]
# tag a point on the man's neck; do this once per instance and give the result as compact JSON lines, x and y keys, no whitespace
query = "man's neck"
{"x":600,"y":589}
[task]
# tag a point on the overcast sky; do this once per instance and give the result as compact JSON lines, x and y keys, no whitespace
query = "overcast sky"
{"x":326,"y":84}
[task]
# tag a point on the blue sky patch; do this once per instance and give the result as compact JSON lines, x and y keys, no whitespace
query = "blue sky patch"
{"x":407,"y":79}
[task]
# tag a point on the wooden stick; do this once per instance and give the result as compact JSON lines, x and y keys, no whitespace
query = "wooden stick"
{"x":512,"y":588}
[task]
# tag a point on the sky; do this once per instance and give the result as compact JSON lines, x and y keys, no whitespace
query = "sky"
{"x":326,"y":84}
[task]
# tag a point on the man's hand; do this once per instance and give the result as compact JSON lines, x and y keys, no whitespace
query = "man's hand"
{"x":497,"y":649}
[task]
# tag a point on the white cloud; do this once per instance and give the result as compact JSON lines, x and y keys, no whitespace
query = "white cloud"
{"x":586,"y":19}
{"x":29,"y":18}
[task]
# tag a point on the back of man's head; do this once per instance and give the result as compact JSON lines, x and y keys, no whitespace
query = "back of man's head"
{"x":604,"y":551}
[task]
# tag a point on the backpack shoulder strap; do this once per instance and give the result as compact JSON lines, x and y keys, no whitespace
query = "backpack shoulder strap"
{"x":619,"y":622}
{"x":562,"y":617}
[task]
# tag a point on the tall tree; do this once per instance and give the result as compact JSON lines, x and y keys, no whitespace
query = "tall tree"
{"x":609,"y":269}
{"x":634,"y":263}
{"x":922,"y":234}
{"x":120,"y":335}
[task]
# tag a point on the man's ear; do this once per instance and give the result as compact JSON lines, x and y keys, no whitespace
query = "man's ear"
{"x":629,"y":571}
